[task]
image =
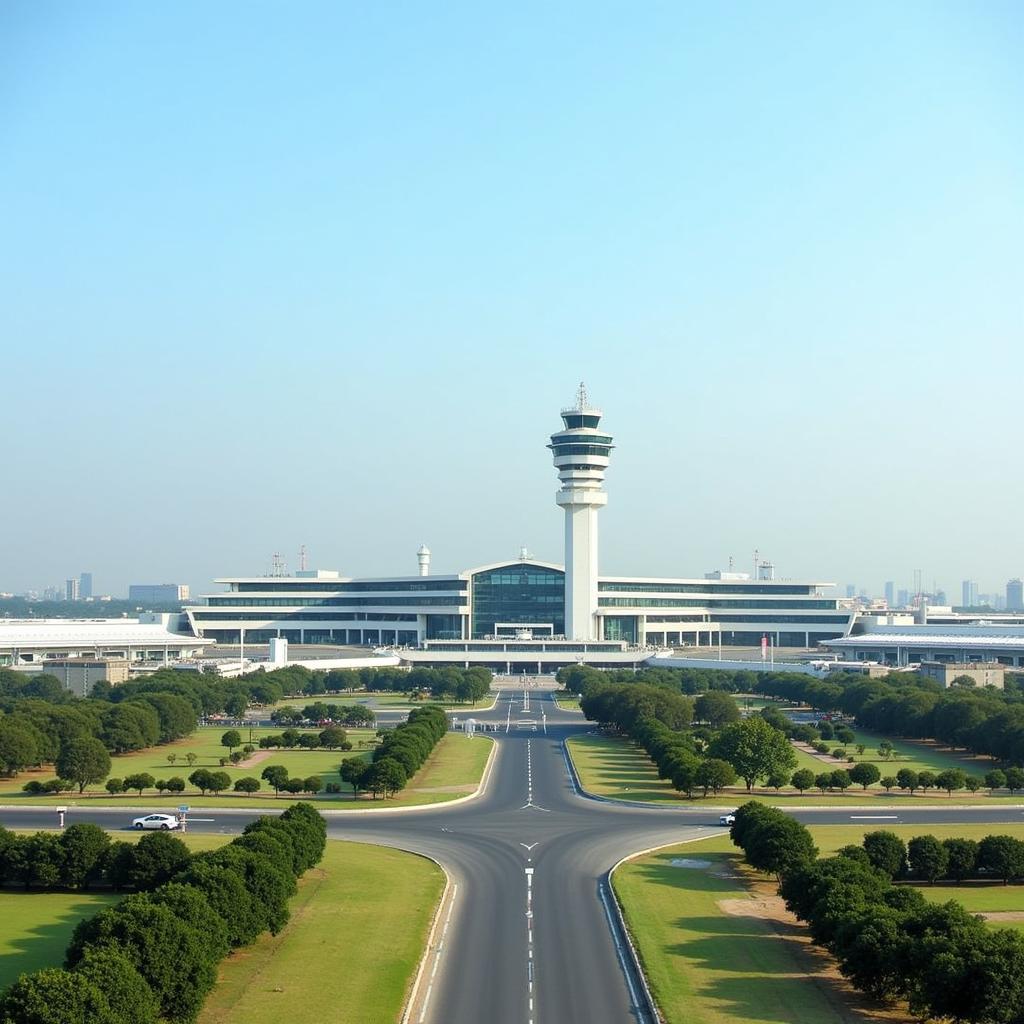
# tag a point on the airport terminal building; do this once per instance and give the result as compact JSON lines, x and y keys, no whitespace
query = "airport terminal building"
{"x":526,"y":603}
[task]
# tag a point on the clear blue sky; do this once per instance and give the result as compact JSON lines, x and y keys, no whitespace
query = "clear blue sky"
{"x":276,"y":274}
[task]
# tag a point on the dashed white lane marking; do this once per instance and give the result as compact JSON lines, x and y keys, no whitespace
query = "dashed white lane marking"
{"x":437,"y":955}
{"x":529,"y":940}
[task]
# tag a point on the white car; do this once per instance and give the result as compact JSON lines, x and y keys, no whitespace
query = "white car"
{"x":163,"y":821}
{"x":727,"y":819}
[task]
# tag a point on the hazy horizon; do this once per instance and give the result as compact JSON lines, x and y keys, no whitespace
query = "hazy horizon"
{"x":326,"y":276}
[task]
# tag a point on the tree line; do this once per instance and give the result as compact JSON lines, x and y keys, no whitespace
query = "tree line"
{"x":356,"y":716}
{"x":697,"y":743}
{"x":154,"y":955}
{"x":450,"y":683}
{"x":906,"y":704}
{"x":401,"y":753}
{"x":888,"y":940}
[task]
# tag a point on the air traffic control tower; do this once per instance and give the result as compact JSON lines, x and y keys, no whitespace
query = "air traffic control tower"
{"x":581,"y":453}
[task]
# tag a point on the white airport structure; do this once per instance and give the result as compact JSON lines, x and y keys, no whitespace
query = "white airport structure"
{"x":903,"y":645}
{"x":524,"y":614}
{"x":151,"y":640}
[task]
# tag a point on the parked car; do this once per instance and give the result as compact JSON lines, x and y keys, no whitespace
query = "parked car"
{"x":162,"y":821}
{"x":727,"y":819}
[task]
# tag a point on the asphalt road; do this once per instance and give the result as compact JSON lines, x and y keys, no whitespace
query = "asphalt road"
{"x":529,"y":937}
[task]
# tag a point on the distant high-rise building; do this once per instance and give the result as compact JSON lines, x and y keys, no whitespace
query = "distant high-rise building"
{"x":902,"y":597}
{"x":71,"y":590}
{"x":851,"y":589}
{"x":968,"y":594}
{"x":1015,"y":595}
{"x":890,"y":592}
{"x":85,"y":585}
{"x":158,"y":593}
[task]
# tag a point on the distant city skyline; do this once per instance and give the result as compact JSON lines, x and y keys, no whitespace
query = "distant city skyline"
{"x":325,"y":275}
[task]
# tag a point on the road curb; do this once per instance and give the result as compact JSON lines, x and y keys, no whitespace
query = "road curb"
{"x":414,"y":990}
{"x":652,"y":1005}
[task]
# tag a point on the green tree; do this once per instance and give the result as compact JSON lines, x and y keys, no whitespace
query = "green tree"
{"x":83,"y":847}
{"x":823,"y":780}
{"x":175,"y":784}
{"x":218,"y":782}
{"x":83,"y":760}
{"x":802,"y":779}
{"x":714,"y":774}
{"x":353,"y":770}
{"x":159,"y":856}
{"x":201,"y":778}
{"x":717,"y":708}
{"x":907,"y":778}
{"x":1002,"y":857}
{"x":885,"y":750}
{"x":950,"y":779}
{"x":231,"y":739}
{"x":191,"y":757}
{"x":926,"y":780}
{"x":114,"y":786}
{"x":169,"y":954}
{"x":129,"y":999}
{"x":928,"y":858}
{"x":1014,"y":779}
{"x":840,"y":779}
{"x":53,"y":996}
{"x":754,"y":748}
{"x":865,"y":774}
{"x":139,"y":782}
{"x":312,"y":784}
{"x":276,"y":775}
{"x":293,"y":786}
{"x":247,"y":785}
{"x":995,"y":779}
{"x":19,"y":748}
{"x":333,"y":737}
{"x":961,"y":858}
{"x":888,"y":782}
{"x":887,"y":852}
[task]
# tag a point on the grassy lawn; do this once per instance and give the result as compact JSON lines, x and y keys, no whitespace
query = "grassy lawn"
{"x":568,"y":701}
{"x":36,"y":927}
{"x":613,"y":767}
{"x":358,"y":928}
{"x":921,"y":755}
{"x":454,"y":763}
{"x":707,"y":966}
{"x":385,"y":897}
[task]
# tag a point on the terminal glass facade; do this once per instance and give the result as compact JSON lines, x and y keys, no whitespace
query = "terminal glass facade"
{"x":518,"y":592}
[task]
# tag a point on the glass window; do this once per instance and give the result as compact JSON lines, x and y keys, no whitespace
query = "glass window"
{"x":519,"y":592}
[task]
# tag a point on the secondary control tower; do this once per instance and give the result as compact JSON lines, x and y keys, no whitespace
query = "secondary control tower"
{"x":581,"y":452}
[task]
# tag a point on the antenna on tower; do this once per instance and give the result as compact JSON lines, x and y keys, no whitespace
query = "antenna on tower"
{"x":302,"y":558}
{"x":277,"y":566}
{"x":581,"y":397}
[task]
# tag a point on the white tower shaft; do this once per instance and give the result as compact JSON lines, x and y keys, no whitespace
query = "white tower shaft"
{"x":581,"y":561}
{"x":581,"y":453}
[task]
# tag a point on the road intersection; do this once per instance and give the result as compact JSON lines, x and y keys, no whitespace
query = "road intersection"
{"x":528,"y":932}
